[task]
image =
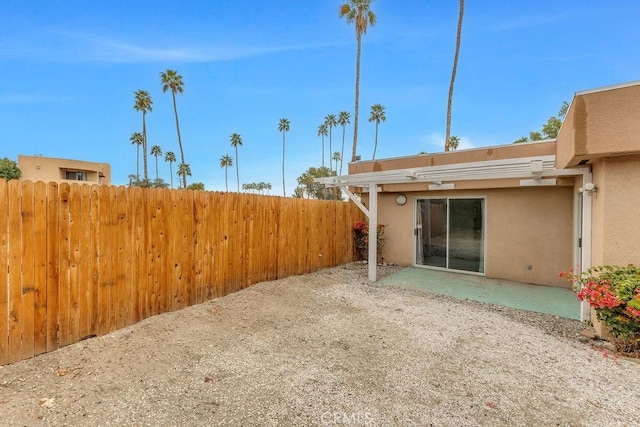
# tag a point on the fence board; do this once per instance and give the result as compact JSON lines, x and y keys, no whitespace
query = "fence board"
{"x":40,"y":273}
{"x":15,"y":259}
{"x":75,"y":236}
{"x":121,"y":258}
{"x":94,"y":260}
{"x":64,"y":258}
{"x":27,"y":322}
{"x":103,"y":262}
{"x":53,"y":266}
{"x":4,"y":282}
{"x":114,"y":281}
{"x":84,"y":262}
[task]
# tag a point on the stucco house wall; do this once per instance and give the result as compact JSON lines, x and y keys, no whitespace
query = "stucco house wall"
{"x":50,"y":169}
{"x":523,"y":227}
{"x":616,"y":211}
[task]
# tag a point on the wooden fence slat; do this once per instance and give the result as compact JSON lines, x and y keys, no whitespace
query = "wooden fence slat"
{"x":15,"y":279}
{"x":164,"y":200}
{"x":28,"y":271}
{"x":40,"y":264}
{"x":64,"y":258}
{"x":131,"y":249}
{"x":4,"y":283}
{"x":53,"y":266}
{"x":75,"y":236}
{"x":84,"y":263}
{"x":121,"y":257}
{"x":114,"y":276}
{"x":198,"y":249}
{"x":94,"y":257}
{"x":139,"y":256}
{"x":103,"y":262}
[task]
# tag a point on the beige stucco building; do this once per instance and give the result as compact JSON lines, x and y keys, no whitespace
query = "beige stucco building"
{"x":49,"y":169}
{"x":523,"y":212}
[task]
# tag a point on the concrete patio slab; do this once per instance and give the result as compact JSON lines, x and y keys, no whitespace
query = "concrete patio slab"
{"x":541,"y":299}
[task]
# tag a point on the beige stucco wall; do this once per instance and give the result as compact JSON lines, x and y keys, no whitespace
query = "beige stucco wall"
{"x":49,"y":169}
{"x":616,"y":211}
{"x":524,"y":226}
{"x":600,"y":123}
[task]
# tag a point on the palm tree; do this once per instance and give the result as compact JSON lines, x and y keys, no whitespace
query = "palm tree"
{"x":343,"y":120}
{"x":377,"y":115}
{"x":171,"y":80}
{"x":358,"y":12}
{"x":184,"y":170}
{"x":454,"y":142}
{"x":447,"y":143}
{"x":336,"y":157}
{"x":283,"y":126}
{"x":170,"y":157}
{"x":156,"y":151}
{"x":322,"y":132}
{"x":136,"y":139}
{"x":331,"y":122}
{"x":236,"y":140}
{"x":225,"y":162}
{"x":143,"y":103}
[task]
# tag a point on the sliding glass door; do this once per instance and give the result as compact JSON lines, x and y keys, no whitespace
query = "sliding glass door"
{"x":450,"y":233}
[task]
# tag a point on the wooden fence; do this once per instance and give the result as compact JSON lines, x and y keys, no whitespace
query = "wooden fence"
{"x":84,"y":260}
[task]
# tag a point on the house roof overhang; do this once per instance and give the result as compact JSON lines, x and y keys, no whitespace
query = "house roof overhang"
{"x":525,"y":168}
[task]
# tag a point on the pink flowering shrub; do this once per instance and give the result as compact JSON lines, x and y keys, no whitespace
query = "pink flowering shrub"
{"x":361,"y":239}
{"x":614,"y":293}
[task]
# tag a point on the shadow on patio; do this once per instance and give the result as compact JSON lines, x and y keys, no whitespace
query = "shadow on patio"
{"x":541,"y":299}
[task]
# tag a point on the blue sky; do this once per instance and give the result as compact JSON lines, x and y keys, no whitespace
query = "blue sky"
{"x":70,"y":68}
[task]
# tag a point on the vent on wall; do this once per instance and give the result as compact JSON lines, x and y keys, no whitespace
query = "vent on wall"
{"x":583,"y":162}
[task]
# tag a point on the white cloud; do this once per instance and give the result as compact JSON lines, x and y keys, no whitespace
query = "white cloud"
{"x":435,"y":142}
{"x":90,"y":48}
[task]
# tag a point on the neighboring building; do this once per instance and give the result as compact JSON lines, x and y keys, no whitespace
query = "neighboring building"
{"x":522,"y":212}
{"x":47,"y":169}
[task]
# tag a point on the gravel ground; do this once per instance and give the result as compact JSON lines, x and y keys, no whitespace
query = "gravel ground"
{"x":329,"y":348}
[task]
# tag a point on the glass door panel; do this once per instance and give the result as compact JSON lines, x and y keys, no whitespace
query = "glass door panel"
{"x":432,"y":233}
{"x":466,"y":237}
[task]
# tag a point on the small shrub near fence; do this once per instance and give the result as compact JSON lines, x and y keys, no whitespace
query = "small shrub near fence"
{"x":84,"y":260}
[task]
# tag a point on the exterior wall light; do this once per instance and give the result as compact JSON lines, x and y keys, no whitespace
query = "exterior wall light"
{"x":588,"y":188}
{"x":401,"y":199}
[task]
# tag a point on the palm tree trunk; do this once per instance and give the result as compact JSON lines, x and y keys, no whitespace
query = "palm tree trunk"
{"x":137,"y":162}
{"x":322,"y":151}
{"x":355,"y":121}
{"x":453,"y":77}
{"x":144,"y":148}
{"x":175,"y":111}
{"x":157,"y":176}
{"x":330,"y":151}
{"x":342,"y":152}
{"x":237,"y":169}
{"x":375,"y":145}
{"x":171,"y":173}
{"x":284,"y":191}
{"x":226,"y":180}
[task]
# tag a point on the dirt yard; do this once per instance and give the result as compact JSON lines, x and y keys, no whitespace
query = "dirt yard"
{"x":328,"y":348}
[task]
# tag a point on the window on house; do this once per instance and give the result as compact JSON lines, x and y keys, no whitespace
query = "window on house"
{"x":76,"y":175}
